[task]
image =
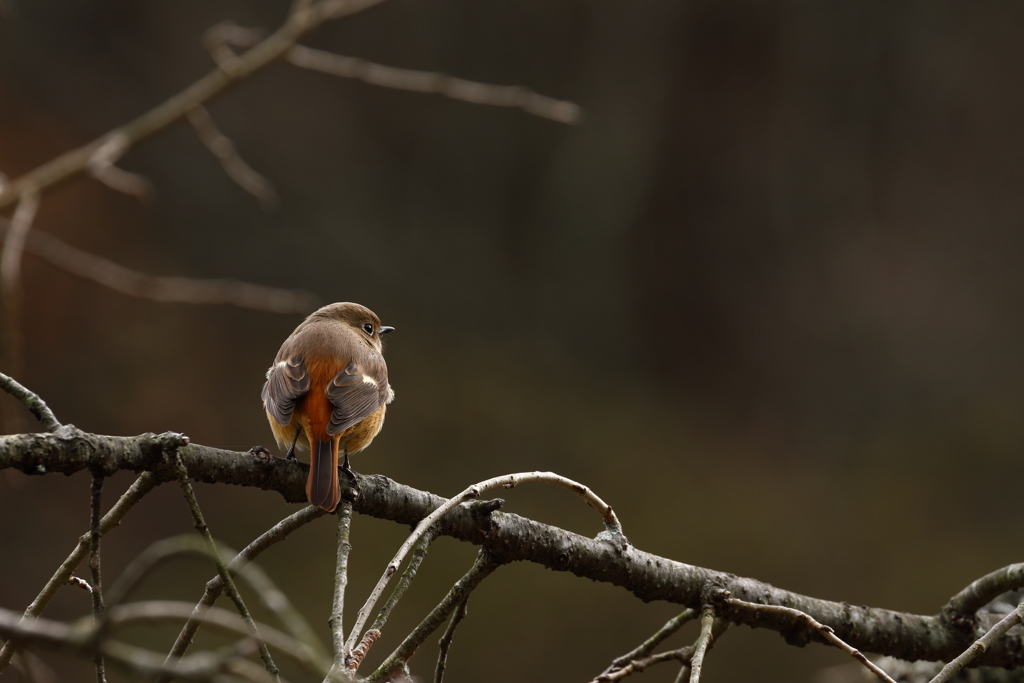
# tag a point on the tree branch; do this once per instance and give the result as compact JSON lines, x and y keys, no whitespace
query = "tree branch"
{"x":143,"y":485}
{"x":215,"y":586}
{"x":35,"y":405}
{"x":512,"y":538}
{"x":275,"y":46}
{"x":437,"y":83}
{"x":484,"y":565}
{"x":171,"y":289}
{"x":222,"y":570}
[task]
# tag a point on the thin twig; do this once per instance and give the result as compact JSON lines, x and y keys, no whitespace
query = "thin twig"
{"x":157,"y":611}
{"x":707,"y":620}
{"x":139,"y":488}
{"x":229,"y":584}
{"x":35,"y":405}
{"x":224,"y":149}
{"x":825,"y":631}
{"x":481,"y":569}
{"x":98,"y":608}
{"x":82,"y":638}
{"x":101,"y":166}
{"x":419,"y":552}
{"x":507,"y":481}
{"x":80,"y":583}
{"x":684,"y":655}
{"x":215,"y":586}
{"x":337,"y":619}
{"x":981,"y":645}
{"x":21,"y":223}
{"x":172,"y":289}
{"x":647,"y":647}
{"x":986,"y":589}
{"x":446,"y":640}
{"x":10,"y":290}
{"x":634,"y":666}
{"x":437,"y":83}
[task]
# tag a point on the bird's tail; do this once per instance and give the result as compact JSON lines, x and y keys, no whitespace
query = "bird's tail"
{"x":322,"y":486}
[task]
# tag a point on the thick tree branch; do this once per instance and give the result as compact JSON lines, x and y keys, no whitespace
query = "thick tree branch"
{"x":512,"y":538}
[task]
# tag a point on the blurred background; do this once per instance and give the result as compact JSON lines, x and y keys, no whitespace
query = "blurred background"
{"x":764,"y":299}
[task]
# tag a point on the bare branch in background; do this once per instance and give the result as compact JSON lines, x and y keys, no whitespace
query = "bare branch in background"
{"x":302,"y":18}
{"x":101,"y":166}
{"x":222,"y":570}
{"x":143,"y":485}
{"x":10,"y":292}
{"x":236,"y":168}
{"x":168,"y":289}
{"x":515,"y":96}
{"x":14,"y":243}
{"x":215,"y":586}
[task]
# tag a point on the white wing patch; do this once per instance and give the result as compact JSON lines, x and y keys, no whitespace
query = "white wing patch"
{"x":369,"y":380}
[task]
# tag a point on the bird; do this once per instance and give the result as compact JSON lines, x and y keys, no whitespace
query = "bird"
{"x":328,"y":391}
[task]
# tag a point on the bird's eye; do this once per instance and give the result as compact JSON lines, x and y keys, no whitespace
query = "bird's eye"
{"x":368,"y":328}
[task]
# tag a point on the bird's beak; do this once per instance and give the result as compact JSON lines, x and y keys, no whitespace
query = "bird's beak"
{"x":384,"y":329}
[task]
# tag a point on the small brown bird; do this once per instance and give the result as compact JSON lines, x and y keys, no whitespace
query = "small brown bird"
{"x":327,"y":391}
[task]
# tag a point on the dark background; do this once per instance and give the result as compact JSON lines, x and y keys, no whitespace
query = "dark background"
{"x":765,"y":299}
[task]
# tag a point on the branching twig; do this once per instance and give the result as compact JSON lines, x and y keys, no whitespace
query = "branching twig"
{"x":446,"y":640}
{"x":98,"y":608}
{"x":303,"y":18}
{"x":483,"y":566}
{"x":419,"y":552}
{"x":222,"y":570}
{"x":171,"y":289}
{"x":436,"y":83}
{"x":337,"y":619}
{"x":215,"y":586}
{"x":35,"y":405}
{"x":143,"y":485}
{"x":10,"y":286}
{"x":647,"y":647}
{"x":707,"y":620}
{"x":986,"y":589}
{"x":826,"y":631}
{"x":507,"y":481}
{"x":21,"y":223}
{"x":236,"y":168}
{"x":979,"y":646}
{"x":157,"y":611}
{"x":101,"y":166}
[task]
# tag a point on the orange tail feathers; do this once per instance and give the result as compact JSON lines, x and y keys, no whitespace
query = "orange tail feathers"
{"x":322,"y":485}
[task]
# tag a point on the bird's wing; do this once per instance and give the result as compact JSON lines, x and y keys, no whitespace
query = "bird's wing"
{"x":287,"y":382}
{"x":356,"y":393}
